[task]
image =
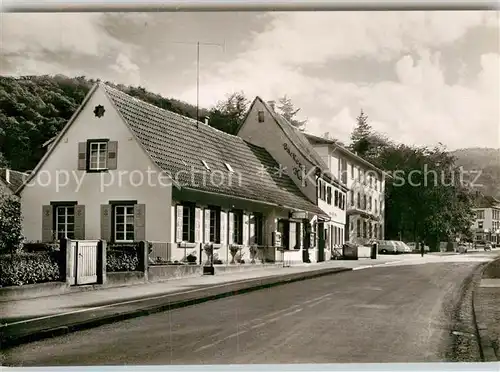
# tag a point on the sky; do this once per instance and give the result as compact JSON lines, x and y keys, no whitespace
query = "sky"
{"x":421,"y":77}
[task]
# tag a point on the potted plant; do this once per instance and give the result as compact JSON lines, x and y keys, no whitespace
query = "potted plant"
{"x":209,"y":251}
{"x":233,"y":249}
{"x":253,"y":253}
{"x":191,"y":258}
{"x":239,"y":257}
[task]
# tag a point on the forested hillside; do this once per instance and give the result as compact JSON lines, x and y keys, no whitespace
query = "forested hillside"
{"x":486,"y":161}
{"x":33,"y":109}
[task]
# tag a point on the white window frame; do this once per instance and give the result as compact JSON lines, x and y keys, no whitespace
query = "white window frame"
{"x":100,"y":147}
{"x":191,"y":223}
{"x":124,"y":223}
{"x":65,"y":224}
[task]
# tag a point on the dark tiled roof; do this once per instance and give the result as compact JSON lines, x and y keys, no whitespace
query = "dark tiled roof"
{"x":297,"y":138}
{"x":178,"y":145}
{"x":340,"y":146}
{"x":486,"y":201}
{"x":16,"y":178}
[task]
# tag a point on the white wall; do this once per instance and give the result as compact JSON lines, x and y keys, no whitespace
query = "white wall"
{"x":85,"y":188}
{"x":270,"y":136}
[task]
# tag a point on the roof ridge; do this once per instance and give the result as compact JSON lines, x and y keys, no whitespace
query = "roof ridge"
{"x":193,"y":121}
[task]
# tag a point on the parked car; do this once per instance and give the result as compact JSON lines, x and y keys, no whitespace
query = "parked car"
{"x":387,"y":246}
{"x":413,"y":247}
{"x":402,"y":247}
{"x":488,"y":247}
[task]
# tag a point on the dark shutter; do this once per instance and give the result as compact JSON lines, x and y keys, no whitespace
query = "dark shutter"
{"x":47,"y":223}
{"x":79,"y":222}
{"x":140,"y":222}
{"x":106,"y":211}
{"x":82,"y":155}
{"x":112,"y":154}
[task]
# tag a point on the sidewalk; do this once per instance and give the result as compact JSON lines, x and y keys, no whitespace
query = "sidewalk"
{"x":487,"y":311}
{"x":26,"y":320}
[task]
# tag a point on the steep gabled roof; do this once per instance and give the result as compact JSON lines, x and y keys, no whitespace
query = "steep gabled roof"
{"x":15,"y":178}
{"x":298,"y":139}
{"x":338,"y":145}
{"x":179,"y":145}
{"x":486,"y":201}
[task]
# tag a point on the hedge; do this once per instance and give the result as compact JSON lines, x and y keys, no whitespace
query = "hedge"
{"x":122,"y":257}
{"x":29,"y":268}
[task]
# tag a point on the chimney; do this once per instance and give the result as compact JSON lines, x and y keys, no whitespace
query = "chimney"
{"x":7,"y":175}
{"x":271,"y":104}
{"x":206,"y":120}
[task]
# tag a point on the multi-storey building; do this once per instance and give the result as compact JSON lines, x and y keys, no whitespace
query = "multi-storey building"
{"x":305,"y":238}
{"x":486,"y":225}
{"x":365,"y":209}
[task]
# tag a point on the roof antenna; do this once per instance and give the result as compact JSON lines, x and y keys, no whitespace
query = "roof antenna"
{"x":198,"y":43}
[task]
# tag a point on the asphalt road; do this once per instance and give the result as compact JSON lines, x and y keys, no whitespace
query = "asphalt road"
{"x":387,"y":314}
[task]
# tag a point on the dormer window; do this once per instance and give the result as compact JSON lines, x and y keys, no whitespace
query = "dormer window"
{"x":206,"y":165}
{"x":229,"y":168}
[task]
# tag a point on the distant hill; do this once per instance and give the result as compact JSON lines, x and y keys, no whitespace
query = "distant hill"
{"x":34,"y":109}
{"x":483,"y":160}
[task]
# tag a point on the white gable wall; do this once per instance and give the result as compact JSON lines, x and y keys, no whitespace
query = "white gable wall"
{"x":60,"y":180}
{"x":270,"y":136}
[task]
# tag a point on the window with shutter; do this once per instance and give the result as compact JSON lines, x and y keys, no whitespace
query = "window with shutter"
{"x":238,"y":227}
{"x":259,"y":228}
{"x":188,"y":222}
{"x":97,"y":155}
{"x":215,"y":224}
{"x":65,"y":221}
{"x":358,"y":228}
{"x":124,"y":226}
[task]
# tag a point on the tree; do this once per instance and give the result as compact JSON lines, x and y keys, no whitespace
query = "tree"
{"x":3,"y":161}
{"x":228,"y":114}
{"x":10,"y":223}
{"x":360,"y":137}
{"x":287,"y":109}
{"x":425,"y":199}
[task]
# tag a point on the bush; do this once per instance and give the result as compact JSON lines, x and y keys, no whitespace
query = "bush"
{"x":29,"y":268}
{"x":191,"y":258}
{"x":10,"y":223}
{"x":40,"y":247}
{"x":122,"y":257}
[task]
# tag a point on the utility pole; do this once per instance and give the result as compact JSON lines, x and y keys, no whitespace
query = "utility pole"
{"x":198,"y":43}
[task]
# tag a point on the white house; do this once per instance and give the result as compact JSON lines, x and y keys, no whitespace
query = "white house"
{"x":366,"y":183}
{"x":266,"y":128}
{"x":123,"y":170}
{"x":486,"y":225}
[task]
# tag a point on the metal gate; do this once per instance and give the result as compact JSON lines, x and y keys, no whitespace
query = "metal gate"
{"x":84,"y":261}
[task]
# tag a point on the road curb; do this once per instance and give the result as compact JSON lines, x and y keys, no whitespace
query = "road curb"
{"x":13,"y":338}
{"x":485,"y":342}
